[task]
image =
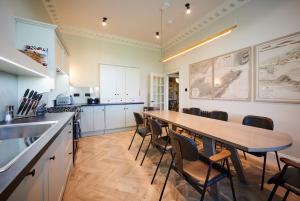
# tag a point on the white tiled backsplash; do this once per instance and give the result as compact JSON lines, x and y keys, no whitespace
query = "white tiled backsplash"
{"x":94,"y":92}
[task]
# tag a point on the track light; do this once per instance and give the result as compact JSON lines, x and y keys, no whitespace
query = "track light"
{"x":188,"y":8}
{"x":157,"y":35}
{"x":104,"y":23}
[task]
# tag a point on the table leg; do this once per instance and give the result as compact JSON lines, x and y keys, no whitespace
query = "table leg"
{"x":209,"y":150}
{"x":237,"y":163}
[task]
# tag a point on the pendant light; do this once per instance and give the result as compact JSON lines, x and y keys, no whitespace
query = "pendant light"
{"x":104,"y":21}
{"x":188,"y":8}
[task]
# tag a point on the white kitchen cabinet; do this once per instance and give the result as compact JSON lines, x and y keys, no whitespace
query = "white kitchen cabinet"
{"x":58,"y":54}
{"x":129,"y":110}
{"x":86,"y":118}
{"x":99,"y":118}
{"x":115,"y":116}
{"x":47,"y":178}
{"x":132,"y":84}
{"x":119,"y":84}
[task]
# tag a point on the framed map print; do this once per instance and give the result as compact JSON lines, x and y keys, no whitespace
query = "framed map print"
{"x":201,"y":76}
{"x":232,"y":75}
{"x":277,"y":66}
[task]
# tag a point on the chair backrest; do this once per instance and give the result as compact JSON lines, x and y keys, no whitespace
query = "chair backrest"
{"x":258,"y":121}
{"x":195,"y":111}
{"x":150,"y":108}
{"x":138,"y":119}
{"x":155,"y":128}
{"x":220,"y":115}
{"x":204,"y":113}
{"x":186,"y":110}
{"x":184,"y":148}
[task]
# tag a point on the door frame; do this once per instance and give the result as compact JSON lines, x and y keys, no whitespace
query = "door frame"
{"x":167,"y":89}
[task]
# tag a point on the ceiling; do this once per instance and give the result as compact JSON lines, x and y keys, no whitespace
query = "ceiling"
{"x":133,"y":19}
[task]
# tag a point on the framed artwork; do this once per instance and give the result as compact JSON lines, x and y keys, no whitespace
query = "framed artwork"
{"x":201,"y":79}
{"x":232,"y":75}
{"x":277,"y":66}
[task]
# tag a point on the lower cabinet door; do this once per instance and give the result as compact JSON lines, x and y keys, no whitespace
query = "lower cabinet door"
{"x":99,"y":118}
{"x":86,"y":119}
{"x":31,"y":188}
{"x":130,"y":109}
{"x":114,"y":116}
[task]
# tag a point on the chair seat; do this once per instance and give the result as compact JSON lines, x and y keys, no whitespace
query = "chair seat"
{"x":291,"y":180}
{"x":161,"y":143}
{"x":143,"y":131}
{"x":197,"y":171}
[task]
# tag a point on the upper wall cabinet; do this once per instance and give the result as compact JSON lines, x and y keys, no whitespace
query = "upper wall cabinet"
{"x":40,"y":42}
{"x":119,"y":84}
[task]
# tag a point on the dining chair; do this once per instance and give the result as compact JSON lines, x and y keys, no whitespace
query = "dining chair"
{"x":141,"y":129}
{"x":199,"y":171}
{"x":219,"y":115}
{"x":195,"y":111}
{"x":158,"y":141}
{"x":162,"y":123}
{"x":288,"y":178}
{"x":265,"y":123}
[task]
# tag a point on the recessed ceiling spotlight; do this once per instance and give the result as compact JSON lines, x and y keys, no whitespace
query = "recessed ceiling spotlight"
{"x":188,"y":8}
{"x":157,"y":35}
{"x":104,"y":21}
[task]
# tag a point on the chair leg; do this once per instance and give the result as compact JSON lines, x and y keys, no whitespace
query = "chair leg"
{"x":286,"y":195}
{"x":203,"y":193}
{"x":245,"y":155}
{"x":230,"y":179}
{"x":166,"y":180}
{"x":132,"y":139}
{"x":146,"y":153}
{"x":273,"y":192}
{"x":161,"y":157}
{"x":277,"y":158}
{"x":140,"y":148}
{"x":263,"y":174}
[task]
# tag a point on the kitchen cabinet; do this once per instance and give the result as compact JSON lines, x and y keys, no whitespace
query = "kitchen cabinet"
{"x":99,"y":118}
{"x":115,"y":117}
{"x":129,"y":110}
{"x":86,"y":118}
{"x":47,"y":178}
{"x":119,"y":84}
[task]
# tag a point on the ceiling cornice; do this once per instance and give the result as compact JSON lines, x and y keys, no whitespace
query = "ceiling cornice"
{"x":221,"y":11}
{"x":87,"y":33}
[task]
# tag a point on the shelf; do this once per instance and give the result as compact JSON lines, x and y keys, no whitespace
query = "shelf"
{"x":14,"y":62}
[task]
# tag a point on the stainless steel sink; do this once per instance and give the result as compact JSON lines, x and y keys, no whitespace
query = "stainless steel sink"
{"x":15,"y":139}
{"x":24,"y":130}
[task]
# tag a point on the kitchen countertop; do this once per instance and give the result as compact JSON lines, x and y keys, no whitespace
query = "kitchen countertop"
{"x":12,"y":177}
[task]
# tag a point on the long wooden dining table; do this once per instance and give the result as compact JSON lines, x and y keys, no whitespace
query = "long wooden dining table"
{"x":232,"y":135}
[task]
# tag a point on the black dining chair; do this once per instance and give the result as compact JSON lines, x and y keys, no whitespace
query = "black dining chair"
{"x":265,"y":123}
{"x":288,"y":178}
{"x":219,"y":115}
{"x":141,"y":129}
{"x":199,"y":171}
{"x":162,"y":123}
{"x":158,"y":141}
{"x":195,"y":111}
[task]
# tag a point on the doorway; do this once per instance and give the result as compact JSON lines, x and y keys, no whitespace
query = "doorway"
{"x":173,"y":91}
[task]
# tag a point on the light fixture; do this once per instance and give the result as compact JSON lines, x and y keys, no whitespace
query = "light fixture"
{"x":157,"y":35}
{"x":188,"y":8}
{"x":202,"y":42}
{"x":104,"y":23}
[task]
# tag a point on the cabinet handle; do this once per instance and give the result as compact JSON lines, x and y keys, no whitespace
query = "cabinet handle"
{"x":32,"y":173}
{"x":70,"y":131}
{"x":70,"y":153}
{"x":70,"y":123}
{"x":52,"y":158}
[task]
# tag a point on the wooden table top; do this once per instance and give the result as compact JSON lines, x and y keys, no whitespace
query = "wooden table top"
{"x":246,"y":138}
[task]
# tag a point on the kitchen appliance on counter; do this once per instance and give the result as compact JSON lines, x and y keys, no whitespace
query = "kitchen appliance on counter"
{"x":93,"y":101}
{"x":64,"y":99}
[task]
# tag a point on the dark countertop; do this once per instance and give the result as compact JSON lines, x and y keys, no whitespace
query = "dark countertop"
{"x":13,"y":176}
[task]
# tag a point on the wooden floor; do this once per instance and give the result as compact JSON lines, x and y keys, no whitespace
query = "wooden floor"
{"x":105,"y":170}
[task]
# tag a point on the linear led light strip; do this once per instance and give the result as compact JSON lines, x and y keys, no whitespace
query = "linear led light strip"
{"x":202,"y":42}
{"x":21,"y":66}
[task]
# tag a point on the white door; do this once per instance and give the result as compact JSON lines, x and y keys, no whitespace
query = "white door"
{"x":119,"y":84}
{"x":114,"y":116}
{"x":99,"y":118}
{"x":107,"y":84}
{"x":130,"y":109}
{"x":157,"y":90}
{"x":132,"y":84}
{"x":86,"y":119}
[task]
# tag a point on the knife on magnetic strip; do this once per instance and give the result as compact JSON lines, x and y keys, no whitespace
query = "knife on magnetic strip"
{"x":28,"y":101}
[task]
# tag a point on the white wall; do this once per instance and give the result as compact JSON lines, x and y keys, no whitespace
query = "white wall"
{"x":86,"y":54}
{"x":258,"y":21}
